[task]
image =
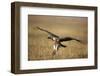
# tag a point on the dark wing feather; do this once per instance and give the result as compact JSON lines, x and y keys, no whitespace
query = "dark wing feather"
{"x":47,"y":32}
{"x":62,"y":45}
{"x":68,"y":39}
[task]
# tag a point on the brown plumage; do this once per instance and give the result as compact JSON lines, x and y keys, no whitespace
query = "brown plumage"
{"x":57,"y":40}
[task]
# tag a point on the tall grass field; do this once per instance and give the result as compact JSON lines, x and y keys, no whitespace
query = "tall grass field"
{"x":41,"y":48}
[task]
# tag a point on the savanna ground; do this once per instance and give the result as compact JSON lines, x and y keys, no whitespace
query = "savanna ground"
{"x":40,"y":48}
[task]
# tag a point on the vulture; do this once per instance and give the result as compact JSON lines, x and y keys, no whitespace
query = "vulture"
{"x":57,"y":40}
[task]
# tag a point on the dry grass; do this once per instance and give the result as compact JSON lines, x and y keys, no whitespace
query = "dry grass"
{"x":40,"y":48}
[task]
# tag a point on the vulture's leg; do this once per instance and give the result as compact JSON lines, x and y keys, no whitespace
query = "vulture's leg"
{"x":54,"y":53}
{"x":56,"y":47}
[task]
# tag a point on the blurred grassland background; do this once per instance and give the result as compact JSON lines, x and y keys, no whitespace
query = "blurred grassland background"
{"x":40,"y":48}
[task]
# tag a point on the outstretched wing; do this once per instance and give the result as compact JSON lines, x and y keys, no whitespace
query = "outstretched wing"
{"x":68,"y":39}
{"x":47,"y":32}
